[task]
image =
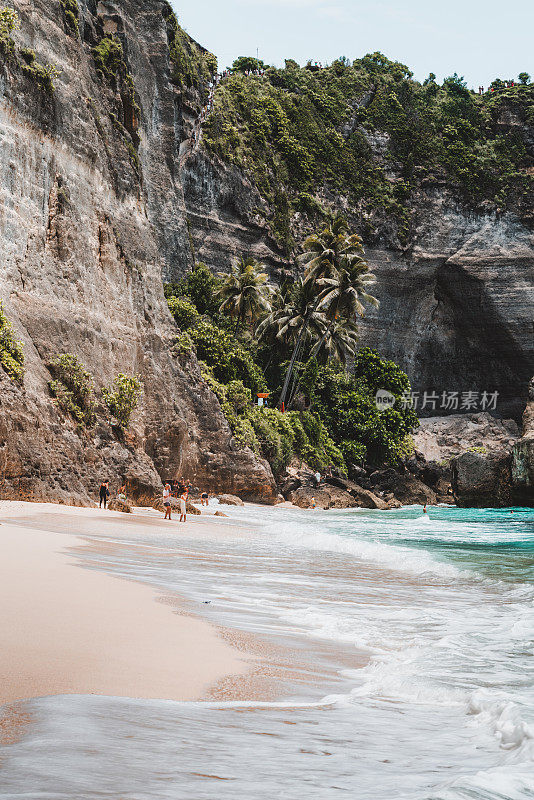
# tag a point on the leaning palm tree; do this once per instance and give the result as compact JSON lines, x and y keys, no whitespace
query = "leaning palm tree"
{"x":344,"y":294}
{"x":244,"y":292}
{"x":298,"y":323}
{"x":330,"y":249}
{"x":339,"y":343}
{"x":337,"y":275}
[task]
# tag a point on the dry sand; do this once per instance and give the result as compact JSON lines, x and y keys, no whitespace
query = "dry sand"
{"x":68,"y":630}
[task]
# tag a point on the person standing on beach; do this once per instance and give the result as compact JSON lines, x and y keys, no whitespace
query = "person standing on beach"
{"x":167,"y":501}
{"x":317,"y":478}
{"x":104,"y":493}
{"x":183,"y":507}
{"x":204,"y":499}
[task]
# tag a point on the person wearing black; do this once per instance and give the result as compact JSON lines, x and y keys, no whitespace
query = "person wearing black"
{"x":104,"y":493}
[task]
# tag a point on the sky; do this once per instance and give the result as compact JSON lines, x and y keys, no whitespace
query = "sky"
{"x":478,"y":40}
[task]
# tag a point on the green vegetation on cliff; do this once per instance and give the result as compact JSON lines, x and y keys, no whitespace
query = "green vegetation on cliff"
{"x":11,"y":350}
{"x":71,"y":12}
{"x":24,"y":59}
{"x":299,"y":343}
{"x":111,"y":64}
{"x":122,"y":398}
{"x":72,"y":387}
{"x":368,"y":131}
{"x":192,"y":65}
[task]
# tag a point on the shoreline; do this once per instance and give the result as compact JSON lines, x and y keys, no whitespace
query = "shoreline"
{"x":66,"y":629}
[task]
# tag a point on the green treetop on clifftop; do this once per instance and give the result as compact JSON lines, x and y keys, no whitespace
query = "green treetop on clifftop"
{"x":369,"y":131}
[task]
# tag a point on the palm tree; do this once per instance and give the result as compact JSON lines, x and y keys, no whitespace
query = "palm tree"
{"x":244,"y":292}
{"x":343,"y":295}
{"x":298,"y":322}
{"x":339,"y":343}
{"x":336,"y":276}
{"x":326,"y":252}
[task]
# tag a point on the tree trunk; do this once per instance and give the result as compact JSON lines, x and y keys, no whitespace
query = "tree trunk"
{"x":292,"y":362}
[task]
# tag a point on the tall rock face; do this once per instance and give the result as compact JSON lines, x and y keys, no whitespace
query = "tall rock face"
{"x":92,"y":216}
{"x":455,"y":272}
{"x":523,"y":451}
{"x":456,"y":304}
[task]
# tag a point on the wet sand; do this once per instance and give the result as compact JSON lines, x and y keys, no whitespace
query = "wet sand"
{"x":68,"y":630}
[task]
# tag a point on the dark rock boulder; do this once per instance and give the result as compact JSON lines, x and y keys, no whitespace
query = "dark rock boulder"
{"x":404,"y":486}
{"x":523,"y":454}
{"x":482,"y":480}
{"x":230,"y":500}
{"x":309,"y":496}
{"x":336,"y":496}
{"x":290,"y":484}
{"x":119,"y":505}
{"x":364,"y":497}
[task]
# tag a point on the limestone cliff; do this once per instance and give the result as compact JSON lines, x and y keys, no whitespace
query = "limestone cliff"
{"x":456,"y":305}
{"x":456,"y":284}
{"x":523,"y":451}
{"x":92,"y":216}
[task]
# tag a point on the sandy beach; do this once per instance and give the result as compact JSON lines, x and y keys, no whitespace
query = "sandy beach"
{"x":69,"y":630}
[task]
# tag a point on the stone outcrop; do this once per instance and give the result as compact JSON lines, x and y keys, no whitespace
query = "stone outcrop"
{"x":230,"y":500}
{"x":439,"y":439}
{"x":482,"y":480}
{"x":501,"y":476}
{"x":92,"y":216}
{"x":334,"y":493}
{"x":363,"y":498}
{"x":403,"y":486}
{"x":523,"y":453}
{"x":119,"y":505}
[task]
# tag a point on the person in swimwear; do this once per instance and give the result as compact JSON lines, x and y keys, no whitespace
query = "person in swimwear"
{"x":167,"y":501}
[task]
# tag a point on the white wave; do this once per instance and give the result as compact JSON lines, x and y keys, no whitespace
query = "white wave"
{"x":503,"y":716}
{"x":404,"y":559}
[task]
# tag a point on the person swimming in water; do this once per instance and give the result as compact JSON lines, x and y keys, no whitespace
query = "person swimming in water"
{"x":424,"y":509}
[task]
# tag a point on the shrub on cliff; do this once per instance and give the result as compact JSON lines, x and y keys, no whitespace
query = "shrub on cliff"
{"x":73,"y":388}
{"x":346,"y":403}
{"x":191,"y":64}
{"x":225,"y":355}
{"x":42,"y":74}
{"x":109,"y":57}
{"x":123,"y":398}
{"x":11,"y":350}
{"x":25,"y":58}
{"x":272,"y":435}
{"x":183,"y":311}
{"x":9,"y":22}
{"x":200,"y":286}
{"x":71,"y":12}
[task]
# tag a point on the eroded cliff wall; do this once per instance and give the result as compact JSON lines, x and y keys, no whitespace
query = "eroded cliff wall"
{"x":456,"y":303}
{"x":91,"y":218}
